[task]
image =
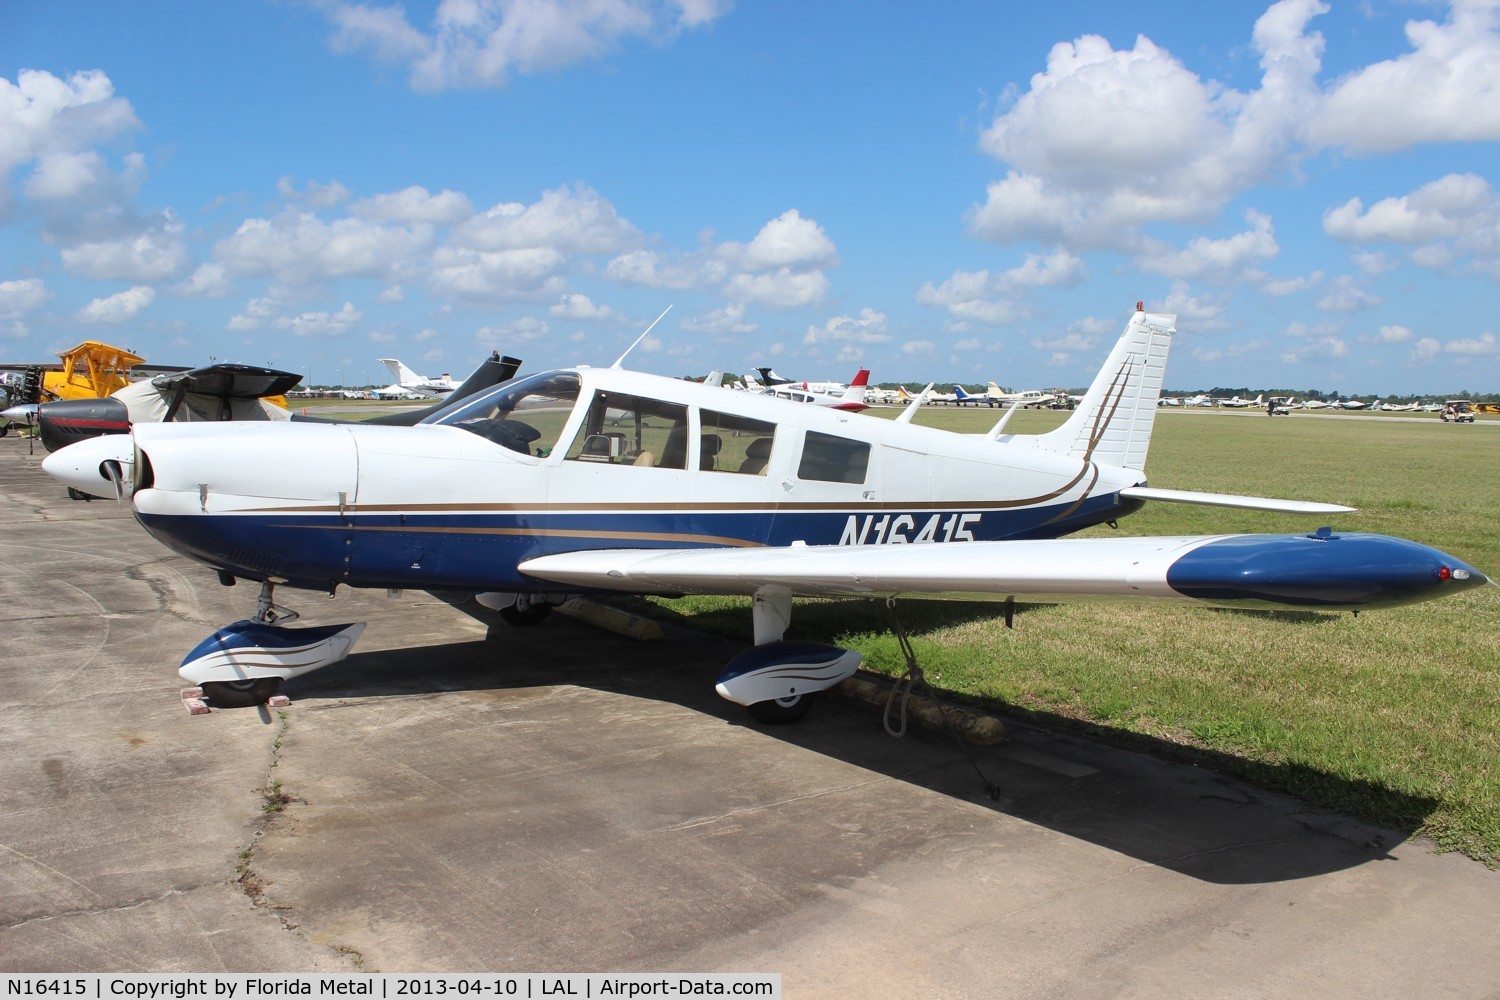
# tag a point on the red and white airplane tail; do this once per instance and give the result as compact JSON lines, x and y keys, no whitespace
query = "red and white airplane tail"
{"x":856,"y":391}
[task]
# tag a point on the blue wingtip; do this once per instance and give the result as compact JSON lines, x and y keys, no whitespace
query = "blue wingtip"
{"x":1322,"y":570}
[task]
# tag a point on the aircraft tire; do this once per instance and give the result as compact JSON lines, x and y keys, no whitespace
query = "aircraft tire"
{"x":526,"y":613}
{"x":781,"y":711}
{"x":241,"y":694}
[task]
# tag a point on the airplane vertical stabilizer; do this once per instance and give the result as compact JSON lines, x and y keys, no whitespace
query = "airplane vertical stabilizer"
{"x":1113,"y":423}
{"x":404,"y":376}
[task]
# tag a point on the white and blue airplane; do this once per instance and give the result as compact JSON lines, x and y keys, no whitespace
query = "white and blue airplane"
{"x":605,"y":479}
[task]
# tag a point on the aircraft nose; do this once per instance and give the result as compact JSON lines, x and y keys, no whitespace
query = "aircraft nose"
{"x":97,"y":466}
{"x":256,"y":500}
{"x":67,"y":421}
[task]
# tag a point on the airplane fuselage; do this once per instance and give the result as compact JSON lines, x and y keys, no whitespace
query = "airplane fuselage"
{"x":444,"y":506}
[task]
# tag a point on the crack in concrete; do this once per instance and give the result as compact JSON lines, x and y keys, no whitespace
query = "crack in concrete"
{"x":275,"y":799}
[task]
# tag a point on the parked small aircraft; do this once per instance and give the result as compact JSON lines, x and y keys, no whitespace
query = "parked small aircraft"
{"x":1350,"y":404}
{"x":851,"y":398}
{"x":1236,"y":403}
{"x":417,"y":385}
{"x":964,"y":398}
{"x":769,"y":379}
{"x":1029,"y":397}
{"x":1315,"y":404}
{"x":531,"y":491}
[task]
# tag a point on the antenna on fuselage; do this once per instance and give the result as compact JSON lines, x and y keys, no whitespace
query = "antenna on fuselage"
{"x":621,"y":360}
{"x":911,"y":410}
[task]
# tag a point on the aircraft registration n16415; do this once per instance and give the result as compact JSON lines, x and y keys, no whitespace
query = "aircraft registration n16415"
{"x":605,"y":479}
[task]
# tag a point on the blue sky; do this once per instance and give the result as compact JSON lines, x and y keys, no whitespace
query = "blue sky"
{"x":950,"y":191}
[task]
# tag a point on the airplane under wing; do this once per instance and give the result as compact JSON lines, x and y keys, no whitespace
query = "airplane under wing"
{"x":1234,"y":500}
{"x":1302,"y":572}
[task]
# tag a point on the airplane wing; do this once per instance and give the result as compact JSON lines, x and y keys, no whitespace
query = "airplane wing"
{"x":1233,"y":500}
{"x":1322,"y":570}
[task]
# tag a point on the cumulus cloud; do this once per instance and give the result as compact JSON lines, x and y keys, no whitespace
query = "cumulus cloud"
{"x":1424,"y":351}
{"x":995,"y":299}
{"x":254,"y":315}
{"x":1345,"y":295}
{"x":1446,"y":89}
{"x":119,"y":307}
{"x":54,"y":123}
{"x":787,"y":241}
{"x":153,"y":253}
{"x":567,"y":219}
{"x":579,"y":307}
{"x":1281,"y":287}
{"x":649,"y":269}
{"x":1485,"y":344}
{"x":415,"y":204}
{"x":507,"y":336}
{"x":1227,"y":259}
{"x":315,"y":194}
{"x":1437,"y":210}
{"x":320,"y":324}
{"x":25,"y":295}
{"x":530,"y":273}
{"x":1104,"y":143}
{"x":299,"y":249}
{"x":1107,"y":141}
{"x":480,"y":43}
{"x":868,"y":328}
{"x":261,"y":313}
{"x":782,"y":267}
{"x":1453,"y":217}
{"x":728,"y":320}
{"x":208,"y":281}
{"x":1394,"y":334}
{"x":17,"y":299}
{"x":783,"y":288}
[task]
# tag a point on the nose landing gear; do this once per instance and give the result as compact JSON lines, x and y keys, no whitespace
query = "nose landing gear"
{"x":245,"y":663}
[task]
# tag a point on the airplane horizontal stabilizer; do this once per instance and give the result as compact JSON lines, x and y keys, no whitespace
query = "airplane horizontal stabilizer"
{"x":1300,"y":572}
{"x":1233,"y":500}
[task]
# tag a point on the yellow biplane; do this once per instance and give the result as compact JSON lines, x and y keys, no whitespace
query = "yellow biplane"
{"x":89,"y":371}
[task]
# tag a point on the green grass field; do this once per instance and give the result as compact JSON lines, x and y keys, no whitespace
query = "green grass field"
{"x":1392,"y":716}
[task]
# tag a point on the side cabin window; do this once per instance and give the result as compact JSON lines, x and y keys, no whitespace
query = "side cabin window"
{"x":731,"y":443}
{"x":620,"y":429}
{"x":830,"y":459}
{"x":525,"y":415}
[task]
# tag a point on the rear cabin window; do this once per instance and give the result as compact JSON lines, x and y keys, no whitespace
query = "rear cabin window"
{"x":731,"y":443}
{"x":830,"y":459}
{"x":632,"y":430}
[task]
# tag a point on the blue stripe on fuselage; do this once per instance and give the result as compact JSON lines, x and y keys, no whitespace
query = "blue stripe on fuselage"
{"x":479,"y":550}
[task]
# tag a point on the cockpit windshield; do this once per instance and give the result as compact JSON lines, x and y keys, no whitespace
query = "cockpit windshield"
{"x":525,"y":415}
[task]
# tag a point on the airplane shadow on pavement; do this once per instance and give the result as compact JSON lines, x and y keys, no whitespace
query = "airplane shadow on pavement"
{"x":1145,"y":802}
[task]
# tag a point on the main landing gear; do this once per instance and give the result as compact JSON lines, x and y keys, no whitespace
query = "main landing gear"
{"x":777,"y":680}
{"x":245,"y":663}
